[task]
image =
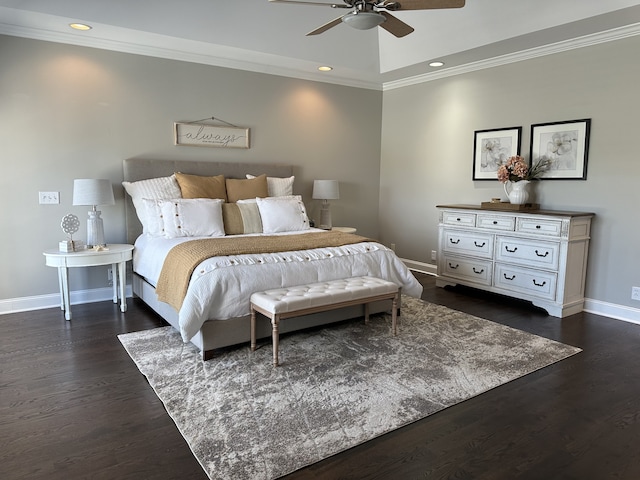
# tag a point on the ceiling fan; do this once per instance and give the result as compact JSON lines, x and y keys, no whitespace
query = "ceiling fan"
{"x":369,"y":14}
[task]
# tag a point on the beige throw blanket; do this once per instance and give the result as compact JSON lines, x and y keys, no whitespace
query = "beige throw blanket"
{"x":185,"y":257}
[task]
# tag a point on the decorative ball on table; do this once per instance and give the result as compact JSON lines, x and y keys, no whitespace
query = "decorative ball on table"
{"x":70,"y":225}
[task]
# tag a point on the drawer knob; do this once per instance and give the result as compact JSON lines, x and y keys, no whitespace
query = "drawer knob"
{"x":538,"y":227}
{"x":495,"y":222}
{"x":479,"y":246}
{"x":456,"y":242}
{"x":478,"y":272}
{"x":452,"y":267}
{"x":506,"y":247}
{"x":507,"y":278}
{"x":539,"y":284}
{"x":458,"y":220}
{"x":541,"y":255}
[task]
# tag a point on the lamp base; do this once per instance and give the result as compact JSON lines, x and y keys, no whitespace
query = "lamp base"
{"x":95,"y":230}
{"x":325,"y":216}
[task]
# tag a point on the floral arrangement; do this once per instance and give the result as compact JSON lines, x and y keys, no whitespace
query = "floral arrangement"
{"x":516,"y":169}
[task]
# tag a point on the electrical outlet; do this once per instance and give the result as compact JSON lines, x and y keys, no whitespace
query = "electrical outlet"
{"x":49,"y":198}
{"x":635,"y":293}
{"x":433,"y":255}
{"x":110,"y":276}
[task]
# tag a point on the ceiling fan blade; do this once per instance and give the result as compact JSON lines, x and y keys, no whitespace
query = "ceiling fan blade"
{"x":395,"y":26}
{"x":326,"y":27}
{"x":323,"y":4}
{"x":429,"y":4}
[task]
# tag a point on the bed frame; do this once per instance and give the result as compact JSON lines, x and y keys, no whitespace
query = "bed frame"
{"x":216,"y":334}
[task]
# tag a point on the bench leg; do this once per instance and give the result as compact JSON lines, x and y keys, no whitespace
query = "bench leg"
{"x":253,"y":330}
{"x":394,"y":315}
{"x":275,"y":335}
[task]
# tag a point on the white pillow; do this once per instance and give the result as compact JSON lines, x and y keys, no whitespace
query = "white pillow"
{"x":192,"y":217}
{"x":283,"y":214}
{"x":278,"y":187}
{"x":154,"y":224}
{"x":155,"y":189}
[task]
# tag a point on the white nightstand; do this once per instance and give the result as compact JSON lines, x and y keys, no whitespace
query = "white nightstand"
{"x":116,"y":254}
{"x":344,"y":229}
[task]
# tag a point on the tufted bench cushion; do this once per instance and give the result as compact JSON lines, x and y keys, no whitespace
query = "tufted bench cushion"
{"x":281,"y":303}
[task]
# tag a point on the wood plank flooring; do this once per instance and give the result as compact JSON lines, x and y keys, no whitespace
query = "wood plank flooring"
{"x":73,"y":405}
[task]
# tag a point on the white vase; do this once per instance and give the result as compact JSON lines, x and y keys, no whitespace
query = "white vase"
{"x":518,"y":192}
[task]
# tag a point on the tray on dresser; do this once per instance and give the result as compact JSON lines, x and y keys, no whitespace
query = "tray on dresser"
{"x":509,"y":206}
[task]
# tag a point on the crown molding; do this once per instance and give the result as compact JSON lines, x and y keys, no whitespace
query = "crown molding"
{"x":239,"y":59}
{"x":551,"y":49}
{"x":199,"y":52}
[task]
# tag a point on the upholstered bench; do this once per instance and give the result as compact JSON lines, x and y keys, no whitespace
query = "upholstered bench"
{"x":282,"y":303}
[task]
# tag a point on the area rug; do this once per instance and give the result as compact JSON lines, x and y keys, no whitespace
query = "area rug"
{"x":336,"y":387}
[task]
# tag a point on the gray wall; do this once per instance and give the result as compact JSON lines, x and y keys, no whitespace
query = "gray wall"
{"x":427,"y":152}
{"x":71,"y":112}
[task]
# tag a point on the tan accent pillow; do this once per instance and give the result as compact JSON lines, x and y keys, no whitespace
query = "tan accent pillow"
{"x":241,"y":218}
{"x":242,"y":189}
{"x":196,"y":186}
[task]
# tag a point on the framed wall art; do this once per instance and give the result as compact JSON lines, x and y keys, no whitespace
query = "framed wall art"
{"x":565,"y":144}
{"x":492,"y":148}
{"x":204,"y":135}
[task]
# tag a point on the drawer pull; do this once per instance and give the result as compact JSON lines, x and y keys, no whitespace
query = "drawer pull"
{"x":452,"y":267}
{"x":479,"y":246}
{"x":507,"y":278}
{"x":540,"y":255}
{"x":506,"y":247}
{"x":475,"y":271}
{"x":495,"y":222}
{"x":538,"y":227}
{"x":539,"y":284}
{"x":457,"y":219}
{"x":456,"y":242}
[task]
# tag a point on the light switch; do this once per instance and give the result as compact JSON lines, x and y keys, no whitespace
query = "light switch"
{"x":49,"y":198}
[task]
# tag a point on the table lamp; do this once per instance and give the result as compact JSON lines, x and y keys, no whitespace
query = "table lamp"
{"x":92,"y":192}
{"x":325,"y":190}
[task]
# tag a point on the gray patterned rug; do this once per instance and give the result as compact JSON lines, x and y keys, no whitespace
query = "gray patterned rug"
{"x":336,"y":388}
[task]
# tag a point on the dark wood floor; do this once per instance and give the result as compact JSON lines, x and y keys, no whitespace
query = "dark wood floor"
{"x":73,"y":405}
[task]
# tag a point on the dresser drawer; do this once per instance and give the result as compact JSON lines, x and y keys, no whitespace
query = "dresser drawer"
{"x":551,"y":228}
{"x":466,"y":242}
{"x":528,"y":281}
{"x":471,"y":269}
{"x":530,"y":252}
{"x":496,"y":222}
{"x":457,"y":218}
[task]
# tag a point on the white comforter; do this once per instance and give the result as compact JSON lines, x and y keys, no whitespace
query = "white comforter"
{"x":221,"y":286}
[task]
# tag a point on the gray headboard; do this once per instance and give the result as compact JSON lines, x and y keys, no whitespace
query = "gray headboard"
{"x":140,"y":169}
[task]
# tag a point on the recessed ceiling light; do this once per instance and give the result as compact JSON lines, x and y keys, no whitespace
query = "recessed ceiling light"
{"x":80,"y":26}
{"x":325,"y":69}
{"x":436,"y":64}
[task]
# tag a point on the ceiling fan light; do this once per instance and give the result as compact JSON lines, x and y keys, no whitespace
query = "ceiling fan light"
{"x":363,"y":20}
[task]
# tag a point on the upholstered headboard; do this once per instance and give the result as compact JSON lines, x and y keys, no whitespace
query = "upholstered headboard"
{"x":141,"y":169}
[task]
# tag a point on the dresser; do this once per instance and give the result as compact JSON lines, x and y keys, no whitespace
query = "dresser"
{"x":537,"y":255}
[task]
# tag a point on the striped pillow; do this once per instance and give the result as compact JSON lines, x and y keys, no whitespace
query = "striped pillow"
{"x":241,"y":217}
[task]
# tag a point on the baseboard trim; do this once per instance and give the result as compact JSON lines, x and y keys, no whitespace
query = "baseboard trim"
{"x":612,"y":310}
{"x":40,"y":302}
{"x":420,"y":267}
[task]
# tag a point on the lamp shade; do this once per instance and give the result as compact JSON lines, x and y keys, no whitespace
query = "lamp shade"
{"x":89,"y":191}
{"x":326,"y":190}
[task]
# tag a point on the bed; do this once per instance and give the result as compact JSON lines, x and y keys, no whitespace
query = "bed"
{"x":213,"y":311}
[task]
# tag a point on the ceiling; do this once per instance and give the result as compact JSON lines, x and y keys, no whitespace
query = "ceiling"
{"x":268,"y":37}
